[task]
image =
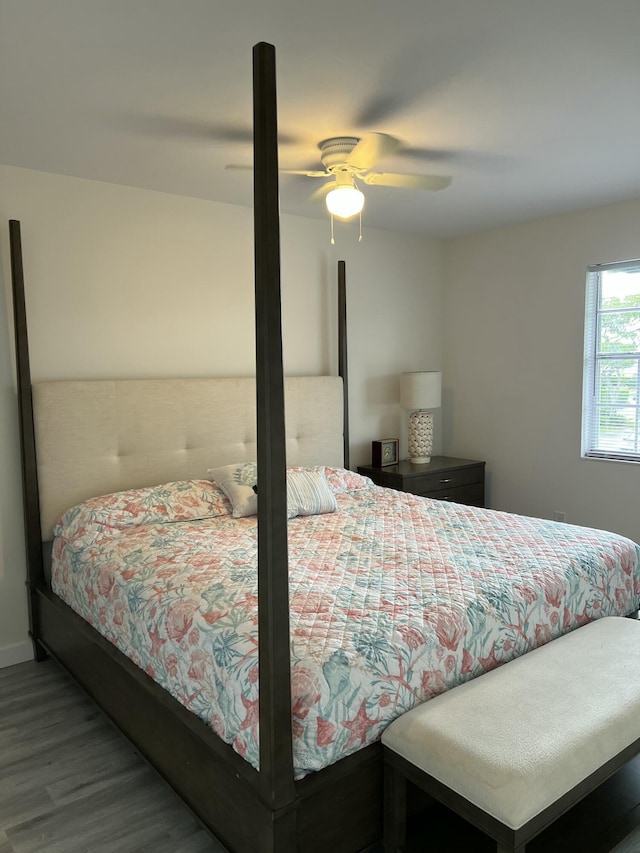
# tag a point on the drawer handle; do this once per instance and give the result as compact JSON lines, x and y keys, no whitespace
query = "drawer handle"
{"x":447,"y":480}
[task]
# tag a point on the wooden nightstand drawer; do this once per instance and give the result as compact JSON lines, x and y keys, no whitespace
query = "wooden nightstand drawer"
{"x":447,"y":480}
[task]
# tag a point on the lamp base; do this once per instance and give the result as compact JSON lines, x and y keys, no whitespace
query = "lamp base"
{"x":420,"y":437}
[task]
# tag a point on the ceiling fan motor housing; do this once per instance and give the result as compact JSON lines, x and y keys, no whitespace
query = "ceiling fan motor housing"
{"x":334,"y":151}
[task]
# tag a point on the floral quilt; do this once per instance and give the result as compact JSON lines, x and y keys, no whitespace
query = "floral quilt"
{"x":394,"y":598}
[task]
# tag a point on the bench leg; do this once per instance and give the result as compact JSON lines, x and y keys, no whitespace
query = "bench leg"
{"x":395,"y":810}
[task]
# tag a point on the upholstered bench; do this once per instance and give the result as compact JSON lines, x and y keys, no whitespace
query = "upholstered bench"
{"x":514,"y":749}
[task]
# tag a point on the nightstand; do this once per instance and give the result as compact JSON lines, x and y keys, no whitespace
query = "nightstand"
{"x":444,"y":478}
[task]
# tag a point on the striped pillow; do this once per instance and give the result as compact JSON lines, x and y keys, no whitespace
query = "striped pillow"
{"x":309,"y":493}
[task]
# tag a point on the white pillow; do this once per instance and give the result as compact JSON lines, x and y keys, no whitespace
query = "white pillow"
{"x":239,"y":483}
{"x":308,"y":491}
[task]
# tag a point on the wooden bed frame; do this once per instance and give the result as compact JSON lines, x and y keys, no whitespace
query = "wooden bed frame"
{"x":249,"y":811}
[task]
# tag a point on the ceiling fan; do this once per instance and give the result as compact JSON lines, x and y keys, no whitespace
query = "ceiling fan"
{"x":349,"y":159}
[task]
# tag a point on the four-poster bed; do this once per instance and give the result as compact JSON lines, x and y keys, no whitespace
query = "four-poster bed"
{"x":98,"y":437}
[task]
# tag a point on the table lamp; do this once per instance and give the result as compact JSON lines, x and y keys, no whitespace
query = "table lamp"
{"x":421,"y":390}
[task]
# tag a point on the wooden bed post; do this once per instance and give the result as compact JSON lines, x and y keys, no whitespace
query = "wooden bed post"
{"x":30,"y":502}
{"x":276,"y":759}
{"x":343,"y":369}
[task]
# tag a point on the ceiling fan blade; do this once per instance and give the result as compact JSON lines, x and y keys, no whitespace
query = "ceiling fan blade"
{"x":410,"y":182}
{"x":173,"y":127}
{"x":322,"y":191}
{"x":302,"y":172}
{"x":471,"y":159}
{"x":371,"y":148}
{"x":239,"y":167}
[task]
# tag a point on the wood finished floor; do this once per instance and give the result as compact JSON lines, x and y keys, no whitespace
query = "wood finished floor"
{"x":70,"y":783}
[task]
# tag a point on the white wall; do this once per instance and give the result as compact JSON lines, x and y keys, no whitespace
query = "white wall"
{"x":123,"y":283}
{"x":513,"y":356}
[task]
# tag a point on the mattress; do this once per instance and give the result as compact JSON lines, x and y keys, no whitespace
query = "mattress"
{"x":394,"y":598}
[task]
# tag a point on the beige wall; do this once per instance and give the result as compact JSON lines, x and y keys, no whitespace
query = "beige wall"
{"x":513,"y":355}
{"x":125,"y":283}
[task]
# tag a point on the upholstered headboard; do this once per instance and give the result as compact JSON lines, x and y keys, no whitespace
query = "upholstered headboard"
{"x":97,"y":437}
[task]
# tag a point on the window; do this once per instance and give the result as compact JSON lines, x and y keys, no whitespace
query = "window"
{"x":611,"y":388}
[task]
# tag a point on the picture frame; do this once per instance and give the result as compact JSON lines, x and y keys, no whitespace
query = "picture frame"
{"x":385,"y":451}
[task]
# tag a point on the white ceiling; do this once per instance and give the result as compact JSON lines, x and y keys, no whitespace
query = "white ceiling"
{"x":532,"y":106}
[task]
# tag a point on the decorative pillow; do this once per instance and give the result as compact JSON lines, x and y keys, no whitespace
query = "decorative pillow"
{"x":239,"y":483}
{"x":185,"y":500}
{"x":309,"y":493}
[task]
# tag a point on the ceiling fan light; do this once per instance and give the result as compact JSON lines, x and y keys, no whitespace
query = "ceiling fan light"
{"x":345,"y":202}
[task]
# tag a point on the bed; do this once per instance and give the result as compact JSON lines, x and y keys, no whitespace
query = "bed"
{"x":393,"y":598}
{"x":85,"y":439}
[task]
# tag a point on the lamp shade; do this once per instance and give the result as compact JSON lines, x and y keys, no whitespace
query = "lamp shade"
{"x":421,"y":390}
{"x":345,"y":201}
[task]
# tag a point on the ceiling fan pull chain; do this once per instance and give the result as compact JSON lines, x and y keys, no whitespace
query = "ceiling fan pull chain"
{"x":360,"y":237}
{"x":333,"y":242}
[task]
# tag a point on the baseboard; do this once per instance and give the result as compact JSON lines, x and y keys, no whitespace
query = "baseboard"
{"x":10,"y":655}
